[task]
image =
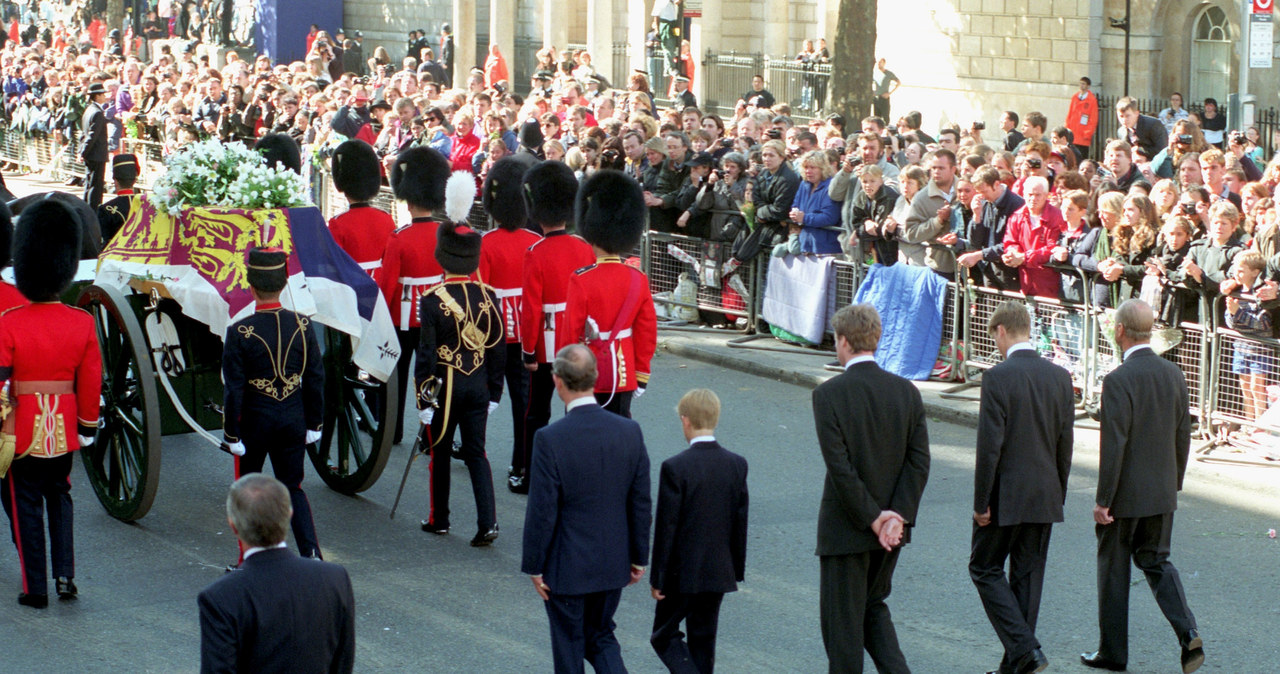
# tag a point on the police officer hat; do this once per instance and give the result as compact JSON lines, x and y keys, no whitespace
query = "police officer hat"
{"x":457,"y":248}
{"x":281,"y":151}
{"x":124,"y":169}
{"x":268,"y":269}
{"x":549,"y":190}
{"x":611,"y":212}
{"x":501,"y":197}
{"x":355,"y":170}
{"x":46,"y":249}
{"x":418,"y":177}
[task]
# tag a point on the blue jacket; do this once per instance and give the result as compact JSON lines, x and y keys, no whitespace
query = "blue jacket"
{"x":821,"y":218}
{"x":588,"y":515}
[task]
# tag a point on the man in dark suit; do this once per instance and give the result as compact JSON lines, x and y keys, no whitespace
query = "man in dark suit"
{"x":279,"y":612}
{"x":875,"y":442}
{"x":1144,"y":444}
{"x":1020,"y":484}
{"x":699,"y":538}
{"x":586,"y":527}
{"x":1140,"y":130}
{"x":93,"y":146}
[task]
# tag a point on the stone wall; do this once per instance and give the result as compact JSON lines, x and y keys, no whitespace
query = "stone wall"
{"x":387,"y":23}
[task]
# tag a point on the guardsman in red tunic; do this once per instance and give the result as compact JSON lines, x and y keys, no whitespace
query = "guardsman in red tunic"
{"x":460,"y":359}
{"x":549,"y":189}
{"x":609,"y":306}
{"x":363,"y":229}
{"x":52,"y":369}
{"x":409,"y":266}
{"x":502,"y":255}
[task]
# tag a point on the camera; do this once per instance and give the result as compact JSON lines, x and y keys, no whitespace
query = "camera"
{"x":1103,"y":172}
{"x":726,"y":142}
{"x":1034,"y":162}
{"x":1188,"y":208}
{"x":979,"y":126}
{"x":719,"y":173}
{"x":1185,"y":138}
{"x":853,"y":162}
{"x":1237,"y":138}
{"x":774,"y":134}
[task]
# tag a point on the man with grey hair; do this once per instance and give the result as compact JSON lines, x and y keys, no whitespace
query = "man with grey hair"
{"x":586,"y":528}
{"x":1144,"y":445}
{"x":1030,"y":236}
{"x":278,"y":612}
{"x":875,"y":443}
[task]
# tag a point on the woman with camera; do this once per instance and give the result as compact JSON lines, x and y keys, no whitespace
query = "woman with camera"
{"x":1185,"y":139}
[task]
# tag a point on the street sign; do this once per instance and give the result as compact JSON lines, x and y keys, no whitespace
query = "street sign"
{"x":1263,"y":6}
{"x":1261,"y":35}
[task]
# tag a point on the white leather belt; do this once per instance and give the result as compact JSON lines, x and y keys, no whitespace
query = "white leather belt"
{"x":420,"y":280}
{"x":622,"y":334}
{"x":554,"y":308}
{"x":504,"y":293}
{"x":370,"y":266}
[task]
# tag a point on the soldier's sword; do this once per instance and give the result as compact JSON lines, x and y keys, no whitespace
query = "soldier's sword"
{"x":413,"y":456}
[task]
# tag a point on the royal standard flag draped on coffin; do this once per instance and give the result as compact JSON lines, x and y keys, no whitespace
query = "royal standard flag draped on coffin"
{"x":198,"y":256}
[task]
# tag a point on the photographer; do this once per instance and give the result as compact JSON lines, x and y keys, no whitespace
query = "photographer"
{"x":234,"y":125}
{"x":1185,"y":139}
{"x":694,"y":220}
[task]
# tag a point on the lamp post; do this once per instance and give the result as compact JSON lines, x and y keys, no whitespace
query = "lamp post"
{"x":1123,"y":24}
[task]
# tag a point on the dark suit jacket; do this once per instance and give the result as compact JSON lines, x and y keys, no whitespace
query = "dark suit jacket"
{"x":1151,"y":135}
{"x":279,"y":613}
{"x":93,"y":147}
{"x":1025,"y":424}
{"x":587,"y":520}
{"x":1145,"y":436}
{"x":871,"y":428}
{"x":700,"y":530}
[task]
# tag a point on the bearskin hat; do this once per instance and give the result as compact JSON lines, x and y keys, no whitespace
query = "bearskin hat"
{"x":610,"y":211}
{"x":549,"y":189}
{"x":457,"y":248}
{"x":530,"y":136}
{"x":46,"y":249}
{"x":281,"y":151}
{"x":502,"y":197}
{"x":355,"y":170}
{"x":6,"y":235}
{"x":418,"y":177}
{"x":268,"y":269}
{"x":85,"y":217}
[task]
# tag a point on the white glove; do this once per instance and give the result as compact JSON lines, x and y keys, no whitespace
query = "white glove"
{"x":639,"y":392}
{"x":85,"y":440}
{"x":313,"y":437}
{"x":492,"y":406}
{"x":425,"y":415}
{"x":236,"y":448}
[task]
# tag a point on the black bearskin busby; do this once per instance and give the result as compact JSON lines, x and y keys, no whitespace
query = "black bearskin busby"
{"x":418,"y":177}
{"x":46,"y":249}
{"x":268,"y":269}
{"x":281,"y":151}
{"x":457,"y":248}
{"x":6,"y":235}
{"x":356,"y":172}
{"x":85,"y":216}
{"x":502,"y":196}
{"x":549,"y":190}
{"x":611,"y":212}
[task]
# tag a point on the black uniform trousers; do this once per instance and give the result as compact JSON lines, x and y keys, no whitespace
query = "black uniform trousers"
{"x":1012,"y":601}
{"x":701,"y":614}
{"x":287,"y":464}
{"x":542,"y":389}
{"x":408,"y":346}
{"x":618,"y":402}
{"x":518,"y":395}
{"x":464,"y":405}
{"x":32,"y":488}
{"x":1145,"y":540}
{"x":852,"y":590}
{"x":95,"y":182}
{"x":582,"y":630}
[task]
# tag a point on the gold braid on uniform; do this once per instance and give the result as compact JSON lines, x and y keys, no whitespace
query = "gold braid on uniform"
{"x":288,"y":383}
{"x":476,"y":332}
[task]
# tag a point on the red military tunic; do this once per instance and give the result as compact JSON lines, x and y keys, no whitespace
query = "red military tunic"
{"x":409,"y":268}
{"x":363,"y":231}
{"x":502,"y":254}
{"x":49,"y":353}
{"x":10,"y":297}
{"x":547,"y":268}
{"x":623,"y":348}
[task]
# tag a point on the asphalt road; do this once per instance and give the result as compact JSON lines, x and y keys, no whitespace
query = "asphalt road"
{"x":435,"y":604}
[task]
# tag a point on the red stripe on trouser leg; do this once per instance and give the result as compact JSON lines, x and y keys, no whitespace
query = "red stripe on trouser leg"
{"x":239,"y":544}
{"x":17,"y":535}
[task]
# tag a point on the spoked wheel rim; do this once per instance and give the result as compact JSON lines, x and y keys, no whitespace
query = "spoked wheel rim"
{"x":359,"y":419}
{"x":124,"y":464}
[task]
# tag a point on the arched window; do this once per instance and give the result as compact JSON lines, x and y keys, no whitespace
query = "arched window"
{"x":1211,"y":56}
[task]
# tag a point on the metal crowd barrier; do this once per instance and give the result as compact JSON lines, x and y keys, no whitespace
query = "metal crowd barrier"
{"x":1238,"y":404}
{"x":42,"y":153}
{"x":666,"y":272}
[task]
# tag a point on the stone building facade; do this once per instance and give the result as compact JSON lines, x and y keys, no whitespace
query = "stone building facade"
{"x":959,"y":60}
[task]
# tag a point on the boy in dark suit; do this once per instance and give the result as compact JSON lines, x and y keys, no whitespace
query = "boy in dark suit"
{"x":699,"y":538}
{"x":1143,"y":449}
{"x":279,"y":612}
{"x":586,"y":527}
{"x":1025,"y":425}
{"x":875,"y":442}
